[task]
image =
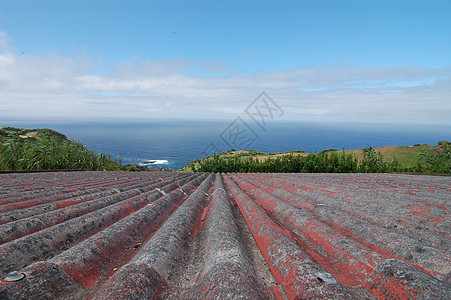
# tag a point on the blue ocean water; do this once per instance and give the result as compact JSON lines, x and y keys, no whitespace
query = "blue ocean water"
{"x":180,"y":142}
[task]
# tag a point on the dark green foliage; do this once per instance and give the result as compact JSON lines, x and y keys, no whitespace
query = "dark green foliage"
{"x":331,"y":162}
{"x":328,"y":150}
{"x":436,"y":160}
{"x":373,"y":162}
{"x":46,"y":133}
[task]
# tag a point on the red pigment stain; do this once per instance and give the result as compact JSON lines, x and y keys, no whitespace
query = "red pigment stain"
{"x":410,"y":192}
{"x":328,"y":193}
{"x":369,"y":259}
{"x":103,"y":252}
{"x":397,"y":240}
{"x":205,"y":211}
{"x":436,"y":220}
{"x":85,"y":277}
{"x":346,"y":269}
{"x":389,"y":287}
{"x":417,"y":208}
{"x":384,"y":252}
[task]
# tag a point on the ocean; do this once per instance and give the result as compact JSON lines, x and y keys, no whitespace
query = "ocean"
{"x":179,"y":142}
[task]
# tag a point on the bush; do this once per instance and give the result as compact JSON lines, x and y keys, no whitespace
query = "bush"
{"x":436,"y":160}
{"x":330,"y":161}
{"x":51,"y":153}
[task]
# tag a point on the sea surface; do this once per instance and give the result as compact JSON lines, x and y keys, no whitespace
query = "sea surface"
{"x":180,"y":142}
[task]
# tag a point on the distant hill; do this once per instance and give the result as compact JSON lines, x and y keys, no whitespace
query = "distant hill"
{"x":30,"y":134}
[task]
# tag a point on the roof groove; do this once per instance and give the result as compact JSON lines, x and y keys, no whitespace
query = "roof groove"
{"x":21,"y":195}
{"x":45,"y":242}
{"x":226,"y":264}
{"x":54,"y":190}
{"x":331,"y":249}
{"x":160,"y":254}
{"x":92,"y":258}
{"x":197,"y":235}
{"x":292,"y":267}
{"x":23,"y":227}
{"x":398,"y":245}
{"x":16,"y":213}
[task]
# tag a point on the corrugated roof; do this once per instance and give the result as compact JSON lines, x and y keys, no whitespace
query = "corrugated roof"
{"x":118,"y":235}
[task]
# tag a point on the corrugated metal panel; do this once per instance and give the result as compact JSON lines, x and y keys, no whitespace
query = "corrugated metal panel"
{"x":117,"y":235}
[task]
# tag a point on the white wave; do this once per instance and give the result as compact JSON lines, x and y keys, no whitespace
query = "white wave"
{"x":154,"y":162}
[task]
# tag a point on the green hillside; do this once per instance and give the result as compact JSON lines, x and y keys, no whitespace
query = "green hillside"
{"x":47,"y":149}
{"x":31,"y":135}
{"x":419,"y":158}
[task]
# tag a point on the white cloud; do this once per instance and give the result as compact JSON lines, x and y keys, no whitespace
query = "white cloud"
{"x":55,"y":86}
{"x":5,"y":41}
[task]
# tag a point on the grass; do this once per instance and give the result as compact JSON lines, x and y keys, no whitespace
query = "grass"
{"x":46,"y":149}
{"x":406,"y":155}
{"x":416,"y":158}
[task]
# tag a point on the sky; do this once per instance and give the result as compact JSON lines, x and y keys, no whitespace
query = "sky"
{"x":340,"y":61}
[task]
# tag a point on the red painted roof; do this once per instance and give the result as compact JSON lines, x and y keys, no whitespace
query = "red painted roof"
{"x":116,"y":235}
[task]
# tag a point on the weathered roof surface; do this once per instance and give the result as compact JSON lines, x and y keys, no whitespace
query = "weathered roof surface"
{"x":116,"y":235}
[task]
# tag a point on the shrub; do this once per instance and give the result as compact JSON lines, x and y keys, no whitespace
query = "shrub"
{"x":436,"y":160}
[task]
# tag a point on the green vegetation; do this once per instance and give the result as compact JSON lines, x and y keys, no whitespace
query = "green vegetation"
{"x":374,"y":162}
{"x":418,"y":158}
{"x":435,"y":160}
{"x":322,"y":162}
{"x":314,"y":163}
{"x":46,"y":149}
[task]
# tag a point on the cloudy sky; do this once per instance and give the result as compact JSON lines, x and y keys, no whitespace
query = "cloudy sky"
{"x":373,"y":61}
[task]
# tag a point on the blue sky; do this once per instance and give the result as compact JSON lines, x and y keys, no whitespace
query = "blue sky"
{"x":376,"y":61}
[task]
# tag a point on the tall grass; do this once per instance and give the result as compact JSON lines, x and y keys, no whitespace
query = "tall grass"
{"x":51,"y":153}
